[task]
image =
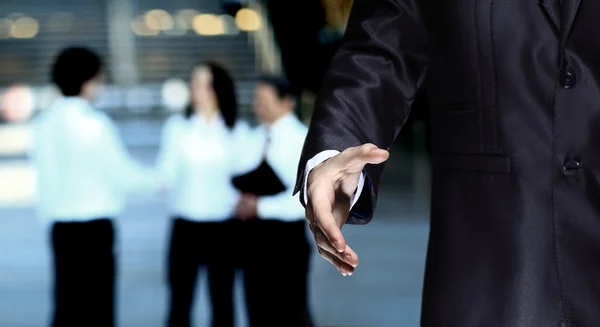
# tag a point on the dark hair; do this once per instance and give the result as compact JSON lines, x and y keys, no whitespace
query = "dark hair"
{"x":73,"y":67}
{"x":225,"y":92}
{"x":281,"y":85}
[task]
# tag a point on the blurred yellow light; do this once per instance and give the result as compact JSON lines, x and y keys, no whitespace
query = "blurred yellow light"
{"x":19,"y":136}
{"x":25,"y":28}
{"x":187,"y":17}
{"x":17,"y":185}
{"x":5,"y":28}
{"x":166,"y":23}
{"x":248,"y":20}
{"x":208,"y":24}
{"x":139,"y":27}
{"x":158,"y":20}
{"x":179,"y":27}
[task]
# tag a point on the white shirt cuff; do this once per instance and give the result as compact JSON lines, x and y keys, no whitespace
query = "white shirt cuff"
{"x":319,"y":158}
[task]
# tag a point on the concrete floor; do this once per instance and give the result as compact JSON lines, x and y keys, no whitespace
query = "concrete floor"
{"x":384,"y":292}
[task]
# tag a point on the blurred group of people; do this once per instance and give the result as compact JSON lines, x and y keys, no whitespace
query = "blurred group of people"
{"x":229,"y":188}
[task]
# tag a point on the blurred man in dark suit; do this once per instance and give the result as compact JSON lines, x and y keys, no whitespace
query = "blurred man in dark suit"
{"x":276,"y":282}
{"x":514,"y":96}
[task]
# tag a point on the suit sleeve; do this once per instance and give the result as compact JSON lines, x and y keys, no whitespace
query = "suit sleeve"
{"x":368,"y":90}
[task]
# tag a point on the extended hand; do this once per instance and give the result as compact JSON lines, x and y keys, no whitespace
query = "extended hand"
{"x":329,"y":188}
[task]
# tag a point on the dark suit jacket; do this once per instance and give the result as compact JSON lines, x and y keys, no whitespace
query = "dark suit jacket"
{"x":514,"y":92}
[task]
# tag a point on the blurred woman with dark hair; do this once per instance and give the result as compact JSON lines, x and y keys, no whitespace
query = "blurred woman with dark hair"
{"x":197,"y":159}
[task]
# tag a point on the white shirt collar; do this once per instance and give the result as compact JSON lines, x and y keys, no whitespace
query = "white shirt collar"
{"x":73,"y":103}
{"x":281,"y":124}
{"x":75,"y":100}
{"x":217,"y":120}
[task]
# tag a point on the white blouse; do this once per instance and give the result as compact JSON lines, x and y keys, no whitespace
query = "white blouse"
{"x":198,"y":159}
{"x":283,"y":153}
{"x":83,"y":169}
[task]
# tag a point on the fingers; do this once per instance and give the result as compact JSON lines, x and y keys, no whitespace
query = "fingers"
{"x":344,"y":268}
{"x":348,"y":256}
{"x":354,"y":159}
{"x":368,"y":154}
{"x":323,"y":219}
{"x":345,"y":261}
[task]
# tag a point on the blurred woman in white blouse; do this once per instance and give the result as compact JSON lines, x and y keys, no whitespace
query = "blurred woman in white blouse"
{"x":198,"y":159}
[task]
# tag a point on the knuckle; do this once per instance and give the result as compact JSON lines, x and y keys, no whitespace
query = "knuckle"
{"x":310,"y":189}
{"x":315,"y":174}
{"x":367,"y":148}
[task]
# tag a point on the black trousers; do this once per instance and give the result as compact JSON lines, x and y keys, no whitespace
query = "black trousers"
{"x":276,"y":266}
{"x":84,"y":273}
{"x":207,"y":244}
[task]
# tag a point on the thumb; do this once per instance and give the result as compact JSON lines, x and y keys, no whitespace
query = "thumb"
{"x":354,"y":159}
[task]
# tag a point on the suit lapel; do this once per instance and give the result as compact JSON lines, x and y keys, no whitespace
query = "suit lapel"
{"x":568,"y":15}
{"x":552,"y":12}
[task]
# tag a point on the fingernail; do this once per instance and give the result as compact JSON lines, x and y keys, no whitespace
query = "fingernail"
{"x":338,"y":247}
{"x":350,"y":274}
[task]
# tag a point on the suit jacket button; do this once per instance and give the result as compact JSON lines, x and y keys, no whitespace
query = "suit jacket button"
{"x":571,"y":166}
{"x":568,"y":79}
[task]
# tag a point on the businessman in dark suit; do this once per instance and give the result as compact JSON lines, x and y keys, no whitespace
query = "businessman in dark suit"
{"x":514,"y":96}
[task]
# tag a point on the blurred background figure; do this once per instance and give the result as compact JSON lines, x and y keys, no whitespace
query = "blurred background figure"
{"x":200,"y":153}
{"x":148,"y":47}
{"x":276,"y":283}
{"x":83,"y":172}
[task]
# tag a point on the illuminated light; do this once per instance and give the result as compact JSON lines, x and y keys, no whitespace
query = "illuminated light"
{"x":61,"y":22}
{"x":17,"y":103}
{"x":16,"y":139}
{"x":179,"y":28}
{"x":25,"y":28}
{"x":175,"y":94}
{"x":5,"y":28}
{"x":187,"y":17}
{"x":17,"y":185}
{"x":139,"y":27}
{"x":229,"y":24}
{"x":158,"y":20}
{"x":166,"y":23}
{"x":248,"y":20}
{"x":208,"y":24}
